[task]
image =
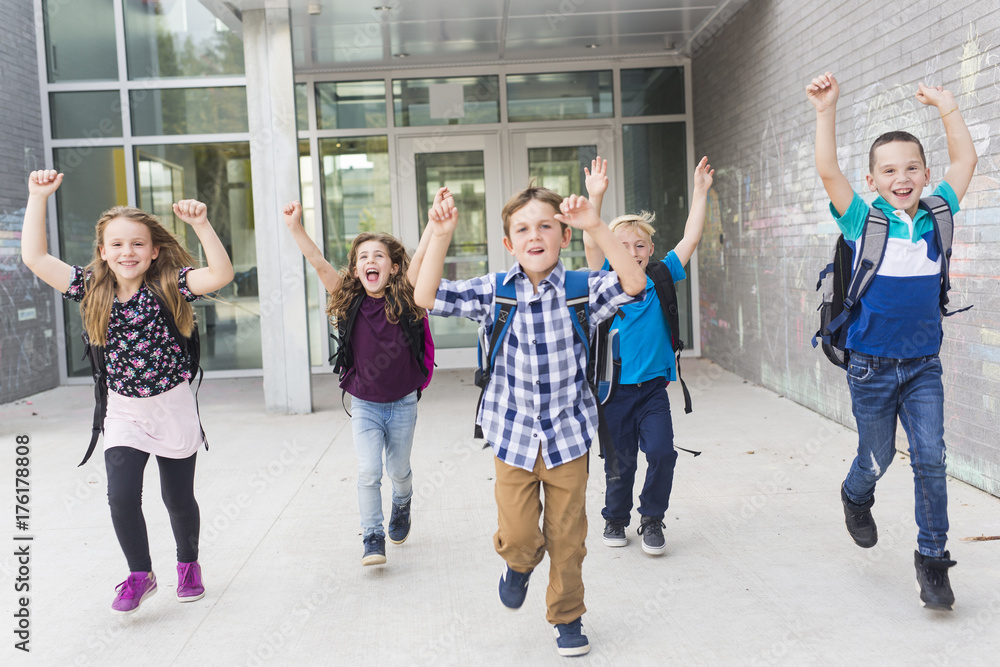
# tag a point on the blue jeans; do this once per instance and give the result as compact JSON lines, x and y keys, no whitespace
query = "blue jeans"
{"x":881,"y":389}
{"x":638,"y":417}
{"x":382,"y":427}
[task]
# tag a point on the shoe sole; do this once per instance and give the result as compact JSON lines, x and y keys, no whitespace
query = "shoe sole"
{"x":399,"y":541}
{"x":145,"y":596}
{"x":654,"y":551}
{"x":854,"y":539}
{"x":571,"y":651}
{"x":374,"y":559}
{"x":614,"y":542}
{"x":191,"y":598}
{"x":933,"y":606}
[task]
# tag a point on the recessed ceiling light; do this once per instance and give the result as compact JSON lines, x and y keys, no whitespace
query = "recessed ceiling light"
{"x":401,"y":55}
{"x":593,"y":46}
{"x":314,"y":8}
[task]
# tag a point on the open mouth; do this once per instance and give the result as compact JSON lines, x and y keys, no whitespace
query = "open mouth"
{"x":903,"y":193}
{"x":371,"y":275}
{"x":536,"y":251}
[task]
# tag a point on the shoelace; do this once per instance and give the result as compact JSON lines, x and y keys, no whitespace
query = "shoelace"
{"x":572,"y":629}
{"x":401,"y":518}
{"x":654,"y":527}
{"x":127,"y":589}
{"x":187,"y":574}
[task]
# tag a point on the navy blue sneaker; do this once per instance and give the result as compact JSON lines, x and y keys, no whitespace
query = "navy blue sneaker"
{"x":399,"y":523}
{"x":513,"y":587}
{"x":374,"y":550}
{"x":570,"y":639}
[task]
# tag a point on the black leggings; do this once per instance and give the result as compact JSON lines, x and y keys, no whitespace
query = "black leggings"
{"x":125,"y":467}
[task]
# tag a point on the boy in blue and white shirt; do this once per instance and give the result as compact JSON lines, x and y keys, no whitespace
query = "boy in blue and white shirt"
{"x":894,"y":332}
{"x":538,"y":412}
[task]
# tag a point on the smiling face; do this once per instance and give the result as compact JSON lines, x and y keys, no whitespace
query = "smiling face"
{"x":899,"y":175}
{"x":127,"y":247}
{"x":374,"y":267}
{"x":637,"y":242}
{"x":535,"y":239}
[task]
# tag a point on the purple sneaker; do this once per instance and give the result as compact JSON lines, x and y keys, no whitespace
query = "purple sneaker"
{"x":132,"y":591}
{"x":189,"y":586}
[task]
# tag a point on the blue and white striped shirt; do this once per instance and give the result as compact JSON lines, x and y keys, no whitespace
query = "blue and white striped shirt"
{"x":538,"y":394}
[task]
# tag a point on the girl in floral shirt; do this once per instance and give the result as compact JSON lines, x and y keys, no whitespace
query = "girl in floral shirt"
{"x":137,"y":266}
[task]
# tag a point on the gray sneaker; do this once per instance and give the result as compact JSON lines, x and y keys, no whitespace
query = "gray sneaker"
{"x":651,"y":530}
{"x":614,"y":534}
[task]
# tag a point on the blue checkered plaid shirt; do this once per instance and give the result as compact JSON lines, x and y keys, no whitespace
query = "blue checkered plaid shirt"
{"x":538,"y":393}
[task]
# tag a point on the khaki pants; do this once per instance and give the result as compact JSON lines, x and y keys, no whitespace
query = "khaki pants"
{"x":521,"y":543}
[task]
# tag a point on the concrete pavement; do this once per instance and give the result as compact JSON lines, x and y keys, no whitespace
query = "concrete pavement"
{"x":759,"y":568}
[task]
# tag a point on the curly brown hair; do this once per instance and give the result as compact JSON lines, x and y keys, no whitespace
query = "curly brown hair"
{"x":399,"y":291}
{"x":161,"y":277}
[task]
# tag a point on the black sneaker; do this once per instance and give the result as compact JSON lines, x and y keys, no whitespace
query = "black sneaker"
{"x":614,"y":534}
{"x":860,"y":523}
{"x":374,"y":550}
{"x":570,"y":639}
{"x":651,"y":530}
{"x":932,"y":581}
{"x":513,"y":587}
{"x":399,"y":523}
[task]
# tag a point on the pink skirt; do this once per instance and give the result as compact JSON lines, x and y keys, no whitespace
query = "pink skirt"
{"x":163,"y":425}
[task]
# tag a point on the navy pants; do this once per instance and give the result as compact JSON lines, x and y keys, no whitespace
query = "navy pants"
{"x":638,"y":418}
{"x":125,"y":467}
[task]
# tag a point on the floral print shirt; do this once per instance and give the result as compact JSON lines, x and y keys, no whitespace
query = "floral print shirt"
{"x":143,"y":359}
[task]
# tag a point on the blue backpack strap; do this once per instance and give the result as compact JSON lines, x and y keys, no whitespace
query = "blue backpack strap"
{"x":504,"y":306}
{"x":869,"y":252}
{"x":578,"y":302}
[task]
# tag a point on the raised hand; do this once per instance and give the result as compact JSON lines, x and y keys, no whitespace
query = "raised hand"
{"x":596,"y":177}
{"x":936,"y":96}
{"x":703,"y":174}
{"x":823,"y":92}
{"x":293,"y":214}
{"x":191,"y":211}
{"x":44,"y":182}
{"x":577,"y":212}
{"x":443,"y":216}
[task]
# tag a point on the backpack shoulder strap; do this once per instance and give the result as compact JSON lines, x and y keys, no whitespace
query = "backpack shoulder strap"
{"x":869,"y":250}
{"x":666,"y":292}
{"x":343,"y":359}
{"x":98,"y":368}
{"x":944,"y":229}
{"x":578,"y":302}
{"x":504,"y":306}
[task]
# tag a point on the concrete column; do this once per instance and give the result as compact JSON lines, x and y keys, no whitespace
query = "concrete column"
{"x":267,"y":49}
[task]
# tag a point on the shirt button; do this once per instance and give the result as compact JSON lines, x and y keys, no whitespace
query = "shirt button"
{"x":538,"y":381}
{"x":534,"y":342}
{"x":538,"y":417}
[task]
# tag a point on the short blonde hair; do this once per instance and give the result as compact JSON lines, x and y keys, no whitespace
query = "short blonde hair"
{"x":641,"y":222}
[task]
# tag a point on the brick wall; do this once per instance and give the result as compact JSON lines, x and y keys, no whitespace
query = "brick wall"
{"x":769,"y":230}
{"x":28,"y":332}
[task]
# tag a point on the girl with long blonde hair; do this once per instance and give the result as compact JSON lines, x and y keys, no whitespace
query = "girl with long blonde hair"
{"x":381,"y":363}
{"x":138,"y":270}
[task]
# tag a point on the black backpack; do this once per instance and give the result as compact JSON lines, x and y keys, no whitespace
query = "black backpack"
{"x":98,"y":368}
{"x":843,"y":287}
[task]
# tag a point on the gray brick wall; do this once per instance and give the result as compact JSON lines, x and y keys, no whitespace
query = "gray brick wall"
{"x":28,"y":332}
{"x":769,"y":230}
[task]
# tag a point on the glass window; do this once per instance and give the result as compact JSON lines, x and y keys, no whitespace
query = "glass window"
{"x":356,"y":191}
{"x":653,"y":91}
{"x":301,"y":107}
{"x":219,"y":175}
{"x":464,"y":172}
{"x":169,"y":38}
{"x":316,"y":297}
{"x":561,"y":170}
{"x":453,"y":101}
{"x":95,"y":181}
{"x":80,"y":40}
{"x":656,"y":180}
{"x":560,"y":96}
{"x":90,"y":115}
{"x":188,"y":111}
{"x":350,"y":104}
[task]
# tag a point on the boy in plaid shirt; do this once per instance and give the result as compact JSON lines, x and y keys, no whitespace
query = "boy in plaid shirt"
{"x":538,"y":412}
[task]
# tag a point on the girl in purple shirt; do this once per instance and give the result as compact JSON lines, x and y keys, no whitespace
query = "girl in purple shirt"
{"x":373,"y":297}
{"x":137,"y":270}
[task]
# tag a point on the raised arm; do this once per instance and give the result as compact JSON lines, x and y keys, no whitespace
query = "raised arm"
{"x":695,"y":224}
{"x":579,"y":213}
{"x":34,"y":245}
{"x":425,"y":239}
{"x":597,"y":184}
{"x":823,"y":92}
{"x":328,"y":275}
{"x":442,"y":220}
{"x":961,"y":150}
{"x":219,"y":271}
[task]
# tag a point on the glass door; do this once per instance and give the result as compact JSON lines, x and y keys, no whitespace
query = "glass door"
{"x":469,"y":165}
{"x":555,"y":160}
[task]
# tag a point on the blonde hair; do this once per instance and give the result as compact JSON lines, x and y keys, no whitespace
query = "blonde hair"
{"x":160,"y":277}
{"x":398,"y":290}
{"x":641,"y":222}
